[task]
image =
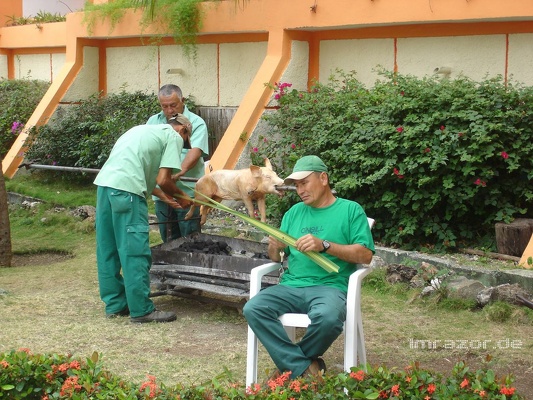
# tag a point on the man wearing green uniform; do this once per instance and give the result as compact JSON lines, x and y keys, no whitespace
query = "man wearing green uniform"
{"x":192,"y":164}
{"x":339,"y":229}
{"x":141,"y":158}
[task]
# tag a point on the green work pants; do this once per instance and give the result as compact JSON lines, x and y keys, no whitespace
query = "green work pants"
{"x":326,"y":308}
{"x":123,"y":252}
{"x":179,"y":227}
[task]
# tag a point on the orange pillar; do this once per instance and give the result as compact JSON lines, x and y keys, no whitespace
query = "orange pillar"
{"x":254,"y":102}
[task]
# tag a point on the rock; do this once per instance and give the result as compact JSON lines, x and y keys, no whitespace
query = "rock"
{"x":508,"y":293}
{"x":84,"y":212}
{"x":461,"y":287}
{"x":400,"y":273}
{"x":483,"y":297}
{"x":428,"y":271}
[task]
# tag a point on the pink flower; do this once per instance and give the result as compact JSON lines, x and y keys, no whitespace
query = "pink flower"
{"x":397,"y":173}
{"x":293,"y":146}
{"x":255,"y":149}
{"x":16,"y":127}
{"x":504,"y":155}
{"x":400,"y":129}
{"x":479,"y":182}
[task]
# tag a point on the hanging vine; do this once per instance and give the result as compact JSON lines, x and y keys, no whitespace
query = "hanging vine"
{"x":182,"y":19}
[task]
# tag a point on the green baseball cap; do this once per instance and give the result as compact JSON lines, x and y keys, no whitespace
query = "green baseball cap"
{"x":304,"y":167}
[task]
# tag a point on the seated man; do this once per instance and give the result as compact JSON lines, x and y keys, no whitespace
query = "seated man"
{"x":339,"y":229}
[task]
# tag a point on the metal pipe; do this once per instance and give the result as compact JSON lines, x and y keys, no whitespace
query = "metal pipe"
{"x":81,"y":169}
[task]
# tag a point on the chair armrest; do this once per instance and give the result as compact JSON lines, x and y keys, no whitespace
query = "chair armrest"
{"x":257,"y":274}
{"x":354,"y":284}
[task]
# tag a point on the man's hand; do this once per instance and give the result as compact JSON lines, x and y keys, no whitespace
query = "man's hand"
{"x":309,"y":243}
{"x":274,"y":248}
{"x":177,"y":177}
{"x":184,"y":202}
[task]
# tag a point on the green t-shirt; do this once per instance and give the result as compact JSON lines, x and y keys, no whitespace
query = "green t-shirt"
{"x":199,"y":139}
{"x":343,"y":222}
{"x":138,"y":155}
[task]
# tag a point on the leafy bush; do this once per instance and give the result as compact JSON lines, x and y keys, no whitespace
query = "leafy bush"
{"x":45,"y":377}
{"x":18,"y":98}
{"x":435,"y":162}
{"x":82,"y":135}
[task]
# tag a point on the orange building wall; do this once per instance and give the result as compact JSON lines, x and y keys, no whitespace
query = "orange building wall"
{"x":9,"y":8}
{"x":398,"y":24}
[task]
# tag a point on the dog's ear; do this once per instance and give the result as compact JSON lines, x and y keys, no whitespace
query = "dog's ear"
{"x":256,"y":171}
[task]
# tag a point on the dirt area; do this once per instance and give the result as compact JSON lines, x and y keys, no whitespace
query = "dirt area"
{"x":230,"y":336}
{"x":22,"y":260}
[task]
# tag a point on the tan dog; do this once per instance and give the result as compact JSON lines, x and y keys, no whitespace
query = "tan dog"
{"x":247,"y":184}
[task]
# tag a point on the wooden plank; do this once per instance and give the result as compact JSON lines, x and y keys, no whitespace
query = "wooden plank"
{"x":217,"y":120}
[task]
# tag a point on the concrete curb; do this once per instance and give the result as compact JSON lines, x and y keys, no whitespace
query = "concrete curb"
{"x":524,"y":277}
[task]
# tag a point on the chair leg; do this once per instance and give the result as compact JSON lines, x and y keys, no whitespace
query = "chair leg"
{"x":251,"y":358}
{"x":291,"y":331}
{"x":361,"y":351}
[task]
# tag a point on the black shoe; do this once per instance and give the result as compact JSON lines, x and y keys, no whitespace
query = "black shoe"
{"x":155,"y":316}
{"x":124,"y":313}
{"x":321,"y":365}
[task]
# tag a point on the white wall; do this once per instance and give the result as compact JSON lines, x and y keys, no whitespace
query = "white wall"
{"x":30,"y":8}
{"x":3,"y":66}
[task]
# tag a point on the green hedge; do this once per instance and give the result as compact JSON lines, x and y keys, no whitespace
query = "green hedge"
{"x":83,"y":134}
{"x":19,"y":99}
{"x":435,"y":162}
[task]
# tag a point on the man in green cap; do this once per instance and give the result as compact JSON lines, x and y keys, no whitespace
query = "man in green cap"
{"x":141,"y":158}
{"x":172,"y":223}
{"x":321,"y":222}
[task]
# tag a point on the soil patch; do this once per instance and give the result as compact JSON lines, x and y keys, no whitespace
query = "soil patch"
{"x":35,"y":259}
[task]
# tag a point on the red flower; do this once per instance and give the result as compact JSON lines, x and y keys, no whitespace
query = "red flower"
{"x":402,"y":93}
{"x":464,"y":383}
{"x":442,"y":127}
{"x":358,"y":376}
{"x":431,"y":388}
{"x":506,"y":391}
{"x":479,"y":182}
{"x":427,"y":150}
{"x":293,"y":146}
{"x":400,"y":129}
{"x":395,"y":390}
{"x":460,"y":134}
{"x":397,"y":173}
{"x":505,"y":155}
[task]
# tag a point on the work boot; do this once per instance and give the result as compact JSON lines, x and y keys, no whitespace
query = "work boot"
{"x":155,"y":316}
{"x":316,"y":369}
{"x":123,"y":313}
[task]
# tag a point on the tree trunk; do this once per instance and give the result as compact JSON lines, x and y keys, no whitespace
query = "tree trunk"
{"x":6,"y":254}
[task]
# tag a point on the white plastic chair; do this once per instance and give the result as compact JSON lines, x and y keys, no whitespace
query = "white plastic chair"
{"x":354,"y":340}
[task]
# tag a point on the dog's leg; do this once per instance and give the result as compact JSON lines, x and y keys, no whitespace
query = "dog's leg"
{"x":261,"y":204}
{"x":249,"y":206}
